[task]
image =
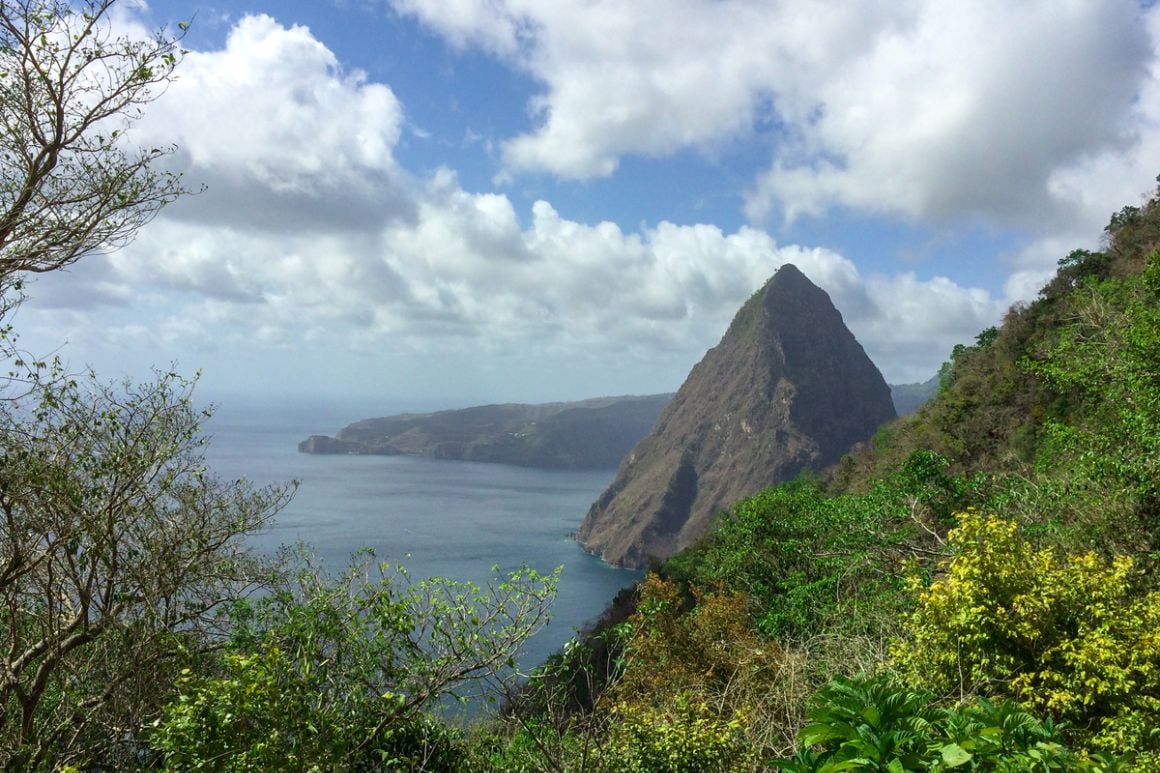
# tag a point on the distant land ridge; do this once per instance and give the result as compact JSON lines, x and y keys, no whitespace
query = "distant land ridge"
{"x":908,"y":398}
{"x":588,"y":434}
{"x":788,"y":388}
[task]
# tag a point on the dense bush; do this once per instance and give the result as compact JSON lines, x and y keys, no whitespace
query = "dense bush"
{"x":876,"y":725}
{"x":688,"y":736}
{"x":798,"y":555}
{"x":1068,"y":636}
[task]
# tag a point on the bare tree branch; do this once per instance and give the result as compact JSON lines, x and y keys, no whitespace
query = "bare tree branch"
{"x":70,"y":89}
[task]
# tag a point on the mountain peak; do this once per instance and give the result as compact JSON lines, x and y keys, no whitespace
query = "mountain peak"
{"x":788,"y":272}
{"x":788,"y":388}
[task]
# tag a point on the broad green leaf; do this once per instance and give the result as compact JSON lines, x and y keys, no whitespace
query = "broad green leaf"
{"x":954,"y":755}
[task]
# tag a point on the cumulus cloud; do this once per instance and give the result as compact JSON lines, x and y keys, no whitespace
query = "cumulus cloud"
{"x":490,"y":23}
{"x":311,"y":240}
{"x":926,"y":108}
{"x":648,"y":77}
{"x":464,"y":276}
{"x":1099,"y":183}
{"x":281,"y":135}
{"x":968,"y":109}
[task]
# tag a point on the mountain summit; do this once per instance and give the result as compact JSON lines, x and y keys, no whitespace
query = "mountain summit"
{"x":787,"y":388}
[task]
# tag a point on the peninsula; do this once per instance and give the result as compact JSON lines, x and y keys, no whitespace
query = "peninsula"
{"x":588,"y":434}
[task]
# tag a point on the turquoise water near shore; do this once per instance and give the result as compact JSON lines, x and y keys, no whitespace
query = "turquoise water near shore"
{"x":438,"y":518}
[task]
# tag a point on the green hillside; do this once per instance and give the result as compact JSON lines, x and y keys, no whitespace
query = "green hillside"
{"x":587,"y":434}
{"x":976,"y":591}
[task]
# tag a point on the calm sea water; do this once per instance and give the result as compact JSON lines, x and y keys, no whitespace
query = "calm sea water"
{"x":438,"y":518}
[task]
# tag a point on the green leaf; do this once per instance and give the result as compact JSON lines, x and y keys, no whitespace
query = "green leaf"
{"x":954,"y":755}
{"x":815,"y":734}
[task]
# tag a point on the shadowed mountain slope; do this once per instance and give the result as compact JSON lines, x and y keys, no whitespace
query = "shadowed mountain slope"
{"x":788,"y":388}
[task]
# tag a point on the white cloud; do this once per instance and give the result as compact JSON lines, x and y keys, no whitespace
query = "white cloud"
{"x":968,"y":109}
{"x":464,"y":278}
{"x":311,"y":245}
{"x":281,"y":134}
{"x":490,"y":23}
{"x":645,"y":77}
{"x":1097,"y":184}
{"x":912,"y":325}
{"x":923,"y":108}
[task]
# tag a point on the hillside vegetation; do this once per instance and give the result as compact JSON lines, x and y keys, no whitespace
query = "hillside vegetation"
{"x":976,"y":591}
{"x":587,"y":434}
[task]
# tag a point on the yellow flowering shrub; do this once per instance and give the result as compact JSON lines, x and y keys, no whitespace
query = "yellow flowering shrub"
{"x":1068,"y":636}
{"x":687,"y":737}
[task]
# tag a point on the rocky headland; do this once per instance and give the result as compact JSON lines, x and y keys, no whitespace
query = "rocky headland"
{"x":588,"y":434}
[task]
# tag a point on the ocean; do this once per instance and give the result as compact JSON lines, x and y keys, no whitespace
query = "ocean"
{"x":437,"y":518}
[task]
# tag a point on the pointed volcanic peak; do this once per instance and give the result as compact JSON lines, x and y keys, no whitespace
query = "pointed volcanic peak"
{"x":788,"y":388}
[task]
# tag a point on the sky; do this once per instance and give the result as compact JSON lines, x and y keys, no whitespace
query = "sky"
{"x":439,"y":203}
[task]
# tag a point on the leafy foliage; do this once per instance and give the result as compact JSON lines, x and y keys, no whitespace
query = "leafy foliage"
{"x":811,"y":561}
{"x":875,"y":725}
{"x":342,"y":673}
{"x":116,"y":549}
{"x":264,"y":712}
{"x":710,"y":656}
{"x":1105,"y":363}
{"x":1068,"y":636}
{"x":70,"y":88}
{"x":686,"y":737}
{"x":792,"y":550}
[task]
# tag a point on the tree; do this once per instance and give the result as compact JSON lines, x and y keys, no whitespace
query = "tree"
{"x":115,"y":545}
{"x":117,"y":549}
{"x":121,"y":558}
{"x":69,"y":90}
{"x":1103,"y":366}
{"x":344,"y":674}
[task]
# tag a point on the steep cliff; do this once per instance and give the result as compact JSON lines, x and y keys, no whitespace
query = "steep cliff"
{"x":787,"y":388}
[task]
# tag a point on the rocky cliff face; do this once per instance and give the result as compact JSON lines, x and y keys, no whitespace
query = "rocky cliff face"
{"x":787,"y":388}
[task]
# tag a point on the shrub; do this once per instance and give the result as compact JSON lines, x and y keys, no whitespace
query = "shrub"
{"x":876,"y":725}
{"x":713,"y":655}
{"x":343,"y":674}
{"x":1065,"y":635}
{"x":687,"y":737}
